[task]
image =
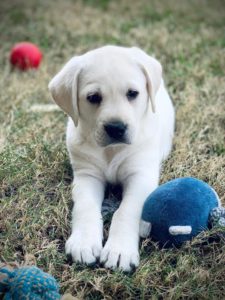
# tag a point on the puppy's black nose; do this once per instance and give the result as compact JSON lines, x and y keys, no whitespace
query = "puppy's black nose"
{"x":115,"y":129}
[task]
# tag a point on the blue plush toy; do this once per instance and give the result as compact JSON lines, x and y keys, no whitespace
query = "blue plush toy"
{"x":180,"y":209}
{"x":28,"y":283}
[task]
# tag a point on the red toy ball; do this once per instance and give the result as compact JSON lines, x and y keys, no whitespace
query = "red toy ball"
{"x":25,"y":56}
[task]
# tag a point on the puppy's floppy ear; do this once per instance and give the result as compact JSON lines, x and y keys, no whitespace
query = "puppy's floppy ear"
{"x":63,"y":88}
{"x":152,"y":70}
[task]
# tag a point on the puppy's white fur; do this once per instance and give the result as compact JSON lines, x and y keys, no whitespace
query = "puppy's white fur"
{"x":112,"y":71}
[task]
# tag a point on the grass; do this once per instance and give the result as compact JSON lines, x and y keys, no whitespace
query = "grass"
{"x":35,"y":174}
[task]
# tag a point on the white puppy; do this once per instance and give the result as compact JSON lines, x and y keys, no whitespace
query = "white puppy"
{"x":120,"y":129}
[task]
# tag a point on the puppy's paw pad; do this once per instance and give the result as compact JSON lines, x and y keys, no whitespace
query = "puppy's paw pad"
{"x":87,"y":256}
{"x":85,"y":251}
{"x":124,"y":259}
{"x":112,"y":260}
{"x":128,"y":263}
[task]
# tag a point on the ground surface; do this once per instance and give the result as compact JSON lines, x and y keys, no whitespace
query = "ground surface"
{"x":188,"y":38}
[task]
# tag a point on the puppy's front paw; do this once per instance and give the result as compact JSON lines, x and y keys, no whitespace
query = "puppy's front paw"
{"x":83,"y":247}
{"x":120,"y":254}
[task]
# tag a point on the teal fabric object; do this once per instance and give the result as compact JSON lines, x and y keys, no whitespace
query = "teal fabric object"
{"x":179,"y":209}
{"x":29,"y":283}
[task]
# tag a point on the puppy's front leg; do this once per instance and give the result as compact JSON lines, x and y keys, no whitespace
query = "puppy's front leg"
{"x":121,"y":249}
{"x":85,"y":242}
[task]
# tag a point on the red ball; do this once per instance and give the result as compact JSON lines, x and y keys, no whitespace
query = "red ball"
{"x":25,"y":55}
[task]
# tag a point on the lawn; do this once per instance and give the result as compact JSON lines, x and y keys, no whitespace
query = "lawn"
{"x":35,"y":175}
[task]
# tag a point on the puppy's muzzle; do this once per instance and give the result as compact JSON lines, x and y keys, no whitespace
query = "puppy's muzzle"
{"x":116,"y":132}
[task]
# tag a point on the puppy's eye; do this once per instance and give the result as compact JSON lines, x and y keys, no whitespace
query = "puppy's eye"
{"x":132,"y":94}
{"x":94,"y":98}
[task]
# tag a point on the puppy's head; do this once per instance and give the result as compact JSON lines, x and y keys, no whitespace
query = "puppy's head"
{"x":108,"y":91}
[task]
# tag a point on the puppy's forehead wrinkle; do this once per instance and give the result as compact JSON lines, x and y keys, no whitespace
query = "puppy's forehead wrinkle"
{"x":100,"y":68}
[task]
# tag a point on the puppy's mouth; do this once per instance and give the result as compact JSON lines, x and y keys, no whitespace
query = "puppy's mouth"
{"x":103,"y":140}
{"x":114,"y":142}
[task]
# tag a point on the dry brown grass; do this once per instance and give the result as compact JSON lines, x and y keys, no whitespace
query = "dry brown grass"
{"x":188,"y":38}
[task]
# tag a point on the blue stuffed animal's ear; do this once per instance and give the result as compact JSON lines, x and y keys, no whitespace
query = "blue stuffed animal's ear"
{"x":217,"y":216}
{"x":144,"y":228}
